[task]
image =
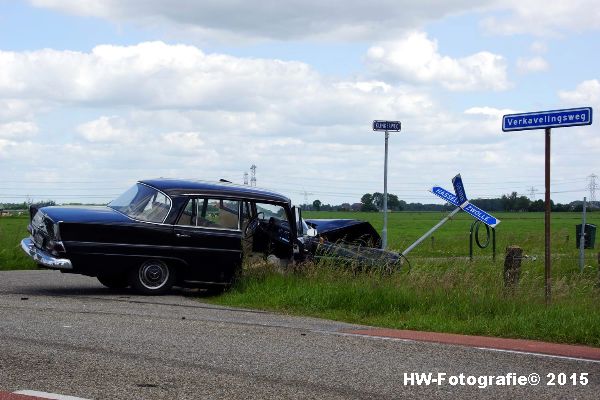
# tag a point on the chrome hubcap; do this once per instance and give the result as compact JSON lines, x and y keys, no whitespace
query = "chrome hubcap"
{"x":154,"y":274}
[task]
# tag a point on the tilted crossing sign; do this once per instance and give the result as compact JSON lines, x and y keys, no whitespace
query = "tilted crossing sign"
{"x":459,"y":189}
{"x":480,"y":215}
{"x":460,"y":201}
{"x":456,"y":199}
{"x":445,"y":195}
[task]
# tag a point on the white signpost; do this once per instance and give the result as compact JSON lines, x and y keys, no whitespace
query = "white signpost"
{"x":385,"y":126}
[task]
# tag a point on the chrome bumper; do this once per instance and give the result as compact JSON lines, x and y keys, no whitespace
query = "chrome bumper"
{"x":43,"y":258}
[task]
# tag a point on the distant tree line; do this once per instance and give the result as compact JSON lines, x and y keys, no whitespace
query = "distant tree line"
{"x":25,"y":205}
{"x":373,"y":202}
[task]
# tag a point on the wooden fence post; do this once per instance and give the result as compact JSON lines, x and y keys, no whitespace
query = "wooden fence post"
{"x":512,"y":266}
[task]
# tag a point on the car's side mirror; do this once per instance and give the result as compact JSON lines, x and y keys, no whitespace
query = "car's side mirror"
{"x":311,"y":232}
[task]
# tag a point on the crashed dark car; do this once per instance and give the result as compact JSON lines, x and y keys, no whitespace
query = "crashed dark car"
{"x":167,"y":232}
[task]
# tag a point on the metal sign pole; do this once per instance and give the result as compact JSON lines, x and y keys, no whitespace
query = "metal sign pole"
{"x":386,"y":126}
{"x":582,"y":239}
{"x":429,"y":232}
{"x":548,"y":260}
{"x":547,"y":120}
{"x":385,"y":216}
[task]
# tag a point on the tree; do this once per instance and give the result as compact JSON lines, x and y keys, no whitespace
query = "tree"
{"x":367,"y":203}
{"x":378,"y":200}
{"x":394,"y":202}
{"x":537,"y":206}
{"x":317,"y":205}
{"x":509,"y":203}
{"x":522,"y":203}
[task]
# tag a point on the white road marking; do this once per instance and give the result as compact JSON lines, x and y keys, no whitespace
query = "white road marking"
{"x":539,"y":354}
{"x":461,"y":345}
{"x":44,"y":395}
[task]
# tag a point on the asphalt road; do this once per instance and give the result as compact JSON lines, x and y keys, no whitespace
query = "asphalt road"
{"x":67,"y":334}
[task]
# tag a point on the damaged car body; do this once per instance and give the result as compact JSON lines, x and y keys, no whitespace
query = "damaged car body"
{"x":167,"y":232}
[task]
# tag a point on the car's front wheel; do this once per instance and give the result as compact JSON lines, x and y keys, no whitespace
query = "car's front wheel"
{"x":152,"y":277}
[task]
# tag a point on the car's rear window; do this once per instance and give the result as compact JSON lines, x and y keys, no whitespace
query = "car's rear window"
{"x":143,"y":203}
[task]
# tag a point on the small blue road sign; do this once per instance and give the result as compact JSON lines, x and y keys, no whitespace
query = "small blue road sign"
{"x":386,"y":125}
{"x":547,"y":119}
{"x":465,"y":206}
{"x":459,"y":189}
{"x":480,"y":215}
{"x":445,"y":195}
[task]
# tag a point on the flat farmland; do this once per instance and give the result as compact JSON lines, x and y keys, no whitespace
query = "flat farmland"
{"x":452,"y":239}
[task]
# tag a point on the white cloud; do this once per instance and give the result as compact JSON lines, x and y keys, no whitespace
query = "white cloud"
{"x":260,"y":95}
{"x":544,"y":18}
{"x":415,"y":58}
{"x":292,"y":19}
{"x":107,"y":129}
{"x":151,"y":74}
{"x":533,"y":64}
{"x":335,"y":19}
{"x":538,"y":47}
{"x":16,"y":109}
{"x":165,"y":110}
{"x":18,"y":130}
{"x":585,"y":94}
{"x":489,"y":112}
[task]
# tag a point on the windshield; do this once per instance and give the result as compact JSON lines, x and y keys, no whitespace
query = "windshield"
{"x":143,"y":203}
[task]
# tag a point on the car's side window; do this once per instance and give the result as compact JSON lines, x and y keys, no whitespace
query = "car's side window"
{"x":219,"y":213}
{"x":267,"y":211}
{"x":188,"y":216}
{"x":211,"y":213}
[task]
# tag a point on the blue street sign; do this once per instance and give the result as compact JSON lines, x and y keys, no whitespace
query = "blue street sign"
{"x":459,"y":189}
{"x":466,"y":206}
{"x":445,"y":195}
{"x":386,"y":125}
{"x":481,"y":215}
{"x":547,"y":119}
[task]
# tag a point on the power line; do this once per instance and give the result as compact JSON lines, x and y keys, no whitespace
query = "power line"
{"x":592,"y":186}
{"x":253,"y":179}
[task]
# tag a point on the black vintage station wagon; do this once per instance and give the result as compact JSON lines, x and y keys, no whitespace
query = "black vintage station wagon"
{"x":166,"y":232}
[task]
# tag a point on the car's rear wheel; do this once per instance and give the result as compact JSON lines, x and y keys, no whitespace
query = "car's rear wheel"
{"x":114,"y":281}
{"x":152,"y":277}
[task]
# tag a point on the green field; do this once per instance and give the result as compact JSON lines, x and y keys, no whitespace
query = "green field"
{"x":443,"y":291}
{"x":452,"y":239}
{"x":12,"y":230}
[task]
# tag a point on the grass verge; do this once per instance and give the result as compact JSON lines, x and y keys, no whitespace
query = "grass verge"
{"x":457,"y":296}
{"x":12,"y":231}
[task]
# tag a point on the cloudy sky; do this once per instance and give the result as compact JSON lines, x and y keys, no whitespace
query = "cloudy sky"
{"x":95,"y":95}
